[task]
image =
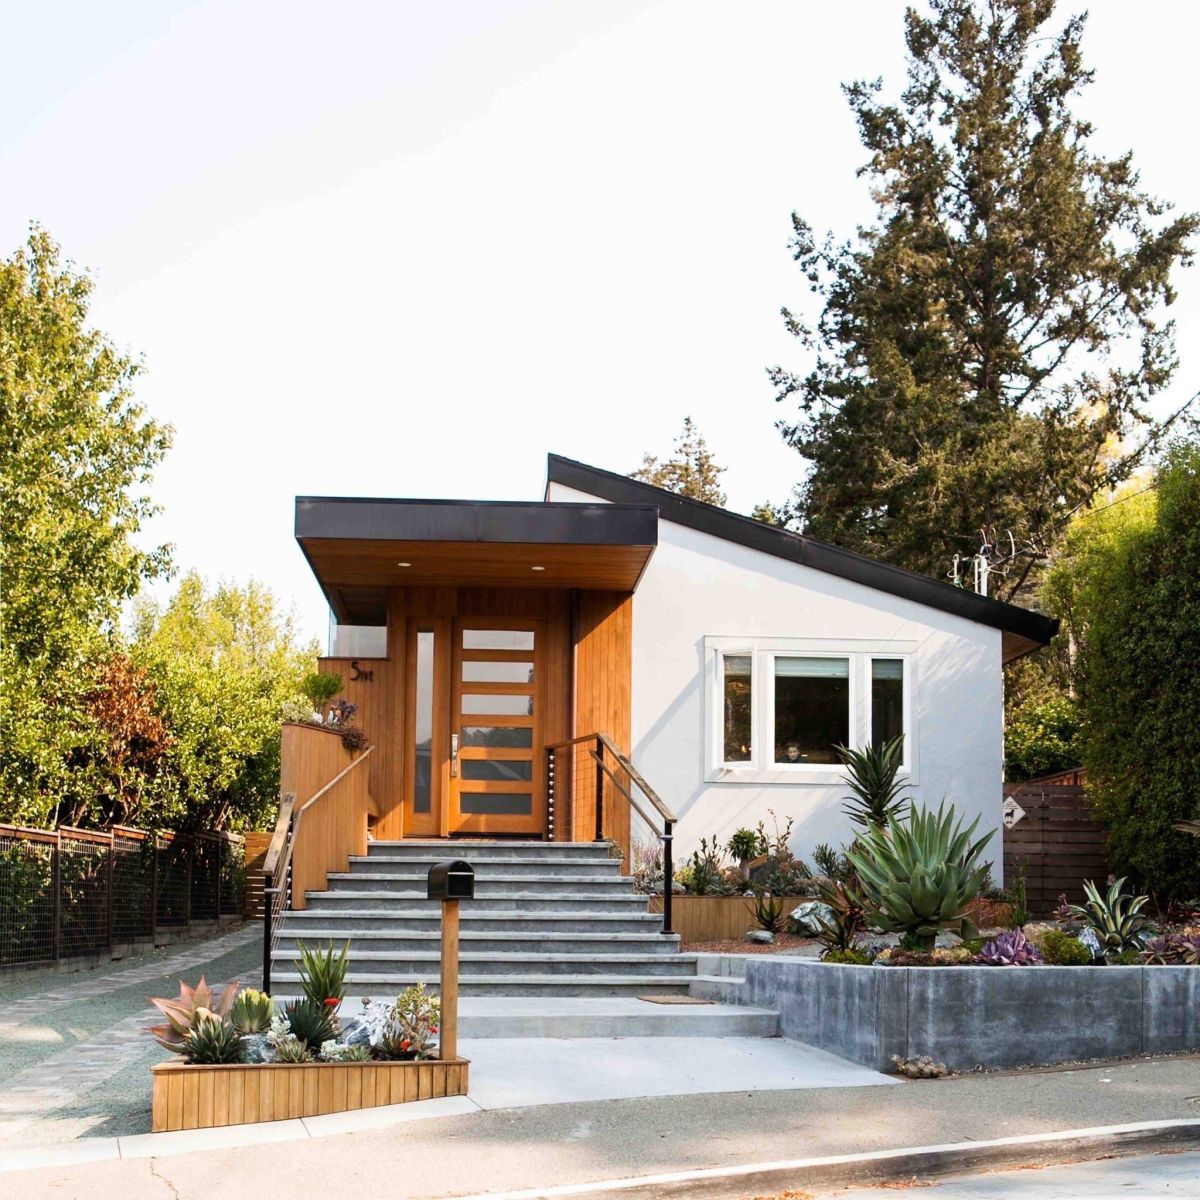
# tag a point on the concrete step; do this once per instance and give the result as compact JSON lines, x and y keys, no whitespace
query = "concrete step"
{"x":509,"y":866}
{"x":485,"y":884}
{"x":356,"y":922}
{"x":400,"y":900}
{"x":438,"y":851}
{"x":364,"y":963}
{"x":724,"y":989}
{"x":513,"y":942}
{"x":286,"y":984}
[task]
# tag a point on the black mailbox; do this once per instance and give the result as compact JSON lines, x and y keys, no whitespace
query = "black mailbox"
{"x":452,"y":880}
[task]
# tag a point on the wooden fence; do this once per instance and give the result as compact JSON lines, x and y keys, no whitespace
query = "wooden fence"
{"x":1057,"y":841}
{"x":716,"y":918}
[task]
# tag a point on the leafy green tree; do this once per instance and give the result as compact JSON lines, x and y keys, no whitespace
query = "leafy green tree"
{"x":223,"y":662}
{"x":1041,"y":720}
{"x":987,"y":350}
{"x":76,"y":455}
{"x":1127,"y":588}
{"x":690,"y":471}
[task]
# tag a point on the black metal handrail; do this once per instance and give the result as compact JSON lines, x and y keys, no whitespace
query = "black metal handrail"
{"x":597,"y":746}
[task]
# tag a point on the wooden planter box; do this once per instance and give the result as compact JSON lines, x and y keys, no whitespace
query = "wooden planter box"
{"x":189,"y":1096}
{"x":716,"y":918}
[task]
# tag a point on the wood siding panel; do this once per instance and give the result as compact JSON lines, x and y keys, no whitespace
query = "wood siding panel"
{"x":603,"y":692}
{"x":375,"y":699}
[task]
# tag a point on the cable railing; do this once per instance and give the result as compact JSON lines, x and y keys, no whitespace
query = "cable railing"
{"x":587,"y":778}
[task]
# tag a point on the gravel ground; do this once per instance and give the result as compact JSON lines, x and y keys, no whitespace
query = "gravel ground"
{"x":73,"y":1059}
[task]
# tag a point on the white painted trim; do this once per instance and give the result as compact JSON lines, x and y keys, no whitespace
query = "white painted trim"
{"x":762,"y":769}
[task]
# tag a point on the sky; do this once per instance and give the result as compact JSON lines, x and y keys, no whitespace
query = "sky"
{"x":408,"y":248}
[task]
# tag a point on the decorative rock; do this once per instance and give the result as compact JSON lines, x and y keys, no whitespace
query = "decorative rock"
{"x":255,"y":1048}
{"x":764,"y":937}
{"x":805,"y":917}
{"x":1088,"y":936}
{"x":355,"y":1032}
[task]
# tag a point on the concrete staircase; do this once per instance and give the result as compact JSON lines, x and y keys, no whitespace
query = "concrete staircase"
{"x":551,"y":923}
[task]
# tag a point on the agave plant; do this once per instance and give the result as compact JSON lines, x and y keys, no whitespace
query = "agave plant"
{"x":312,"y":1023}
{"x":1010,"y":949}
{"x":323,"y":974}
{"x":212,"y":1039}
{"x":251,"y":1011}
{"x":872,"y":776}
{"x":1116,"y":917}
{"x":839,"y":932}
{"x":768,"y":913}
{"x":920,"y":875}
{"x":182,"y":1014}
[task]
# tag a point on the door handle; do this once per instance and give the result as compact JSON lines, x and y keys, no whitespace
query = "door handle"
{"x":453,"y":755}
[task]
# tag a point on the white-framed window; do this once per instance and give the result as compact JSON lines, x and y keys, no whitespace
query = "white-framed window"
{"x":776,"y":709}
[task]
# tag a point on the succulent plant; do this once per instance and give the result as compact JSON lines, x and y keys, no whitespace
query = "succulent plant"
{"x":290,"y":1049}
{"x":312,"y":1023}
{"x":181,"y":1013}
{"x":1173,"y":949}
{"x":323,"y":974}
{"x":920,"y":875}
{"x":768,"y":913}
{"x":336,"y":1052}
{"x":410,"y":1025}
{"x":839,"y":932}
{"x":1116,"y":917}
{"x":872,"y":774}
{"x":251,"y":1011}
{"x":211,"y":1039}
{"x":1010,"y":949}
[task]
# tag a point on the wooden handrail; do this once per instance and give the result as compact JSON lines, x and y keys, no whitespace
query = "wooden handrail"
{"x":622,"y":788}
{"x":663,"y":811}
{"x":279,"y":837}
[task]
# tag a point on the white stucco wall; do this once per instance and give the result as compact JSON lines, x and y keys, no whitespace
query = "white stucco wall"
{"x":698,"y":586}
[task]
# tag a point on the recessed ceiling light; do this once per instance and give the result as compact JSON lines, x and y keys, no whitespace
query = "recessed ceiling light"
{"x":404,"y":564}
{"x":537,"y":568}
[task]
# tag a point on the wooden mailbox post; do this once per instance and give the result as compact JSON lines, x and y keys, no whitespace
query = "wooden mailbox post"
{"x":450,"y":882}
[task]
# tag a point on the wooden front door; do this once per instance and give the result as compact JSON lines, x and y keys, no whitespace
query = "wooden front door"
{"x":497,"y":759}
{"x":473,"y":741}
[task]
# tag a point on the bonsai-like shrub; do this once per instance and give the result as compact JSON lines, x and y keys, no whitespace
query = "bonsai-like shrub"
{"x":743,"y":845}
{"x":1010,"y":949}
{"x":872,"y":774}
{"x":319,"y":688}
{"x":920,"y":875}
{"x":1116,"y":917}
{"x":182,"y":1014}
{"x":1061,"y":949}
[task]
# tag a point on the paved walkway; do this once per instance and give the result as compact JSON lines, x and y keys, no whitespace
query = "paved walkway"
{"x":60,"y":1045}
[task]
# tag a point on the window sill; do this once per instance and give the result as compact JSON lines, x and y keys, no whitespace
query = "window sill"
{"x":813,"y":776}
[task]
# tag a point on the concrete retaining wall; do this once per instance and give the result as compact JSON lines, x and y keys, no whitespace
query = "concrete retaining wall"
{"x":972,"y":1016}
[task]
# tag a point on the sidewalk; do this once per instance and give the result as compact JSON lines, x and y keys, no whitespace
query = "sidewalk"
{"x":509,"y":1149}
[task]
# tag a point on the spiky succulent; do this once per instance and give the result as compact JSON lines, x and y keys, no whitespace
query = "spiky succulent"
{"x":1010,"y":949}
{"x":211,"y":1040}
{"x":872,"y":774}
{"x":839,"y":932}
{"x":919,"y":875}
{"x":768,"y":913}
{"x":251,"y":1012}
{"x":181,"y":1013}
{"x":333,"y":1052}
{"x":1173,"y":949}
{"x":323,"y":973}
{"x":1116,"y":916}
{"x":312,"y":1023}
{"x":290,"y":1049}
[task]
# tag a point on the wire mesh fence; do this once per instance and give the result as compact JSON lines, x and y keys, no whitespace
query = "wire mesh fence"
{"x":67,"y":892}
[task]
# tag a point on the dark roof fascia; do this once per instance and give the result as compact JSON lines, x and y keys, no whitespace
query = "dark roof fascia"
{"x":797,"y":548}
{"x":500,"y":521}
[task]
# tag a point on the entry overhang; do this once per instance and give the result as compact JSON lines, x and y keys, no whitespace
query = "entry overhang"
{"x":357,"y":547}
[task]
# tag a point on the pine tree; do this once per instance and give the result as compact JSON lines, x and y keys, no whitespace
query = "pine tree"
{"x":690,"y":471}
{"x":987,"y":350}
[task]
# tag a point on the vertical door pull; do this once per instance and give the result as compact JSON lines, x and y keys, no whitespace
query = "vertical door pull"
{"x":453,"y":755}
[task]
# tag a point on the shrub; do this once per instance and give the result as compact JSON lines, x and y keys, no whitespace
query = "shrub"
{"x":319,"y":688}
{"x":743,"y":845}
{"x":1126,"y":587}
{"x":872,"y":774}
{"x":847,"y":957}
{"x":1060,"y":949}
{"x":920,"y":875}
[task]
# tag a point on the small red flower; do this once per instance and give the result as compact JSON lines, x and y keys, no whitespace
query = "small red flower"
{"x":433,"y":1029}
{"x":404,"y":1045}
{"x":332,"y":1002}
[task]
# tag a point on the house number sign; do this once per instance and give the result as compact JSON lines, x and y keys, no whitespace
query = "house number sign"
{"x":357,"y":673}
